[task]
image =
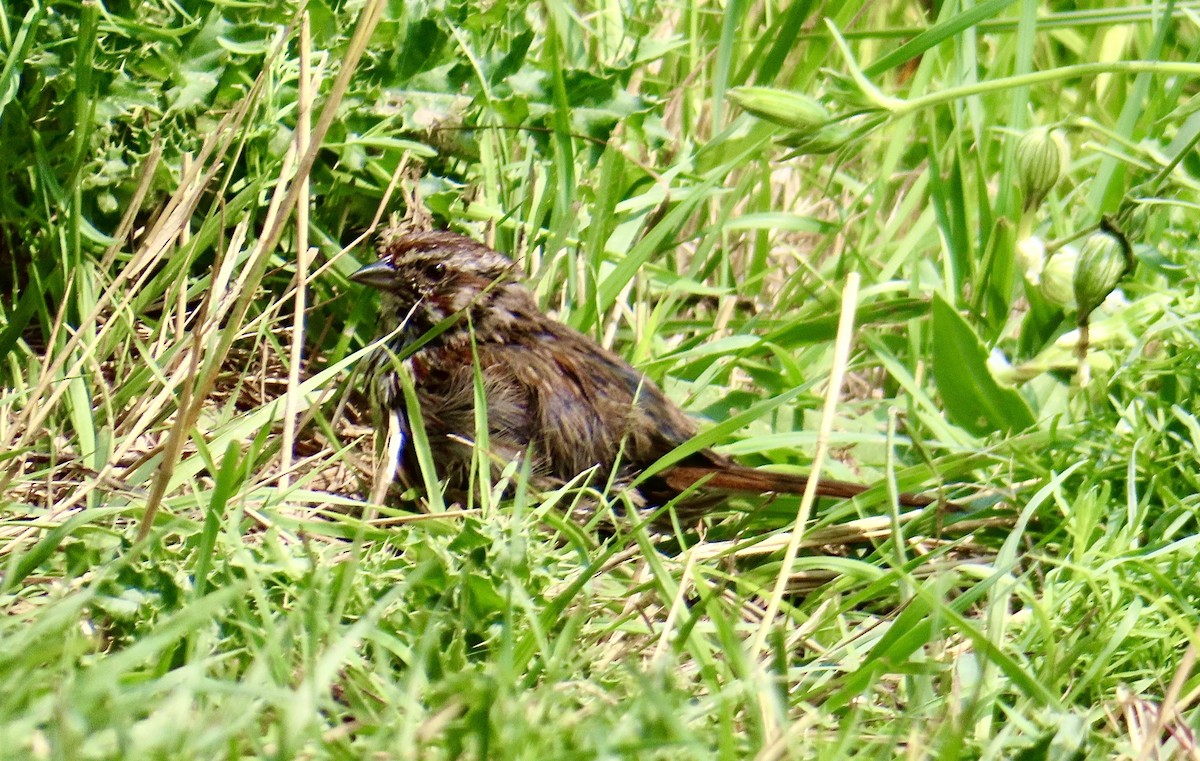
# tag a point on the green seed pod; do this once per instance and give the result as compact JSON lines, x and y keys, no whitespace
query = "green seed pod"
{"x":787,"y":109}
{"x":1104,"y":259}
{"x":1041,"y":155}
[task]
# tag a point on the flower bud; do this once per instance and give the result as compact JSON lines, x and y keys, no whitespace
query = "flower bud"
{"x":1041,"y":154}
{"x":1103,"y":260}
{"x":787,"y":109}
{"x":1131,"y":219}
{"x":1058,"y":277}
{"x":827,"y":139}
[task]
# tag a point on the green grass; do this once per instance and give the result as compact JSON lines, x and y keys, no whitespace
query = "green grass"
{"x":171,"y":589}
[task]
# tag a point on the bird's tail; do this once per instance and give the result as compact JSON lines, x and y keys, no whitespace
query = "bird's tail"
{"x":743,"y":479}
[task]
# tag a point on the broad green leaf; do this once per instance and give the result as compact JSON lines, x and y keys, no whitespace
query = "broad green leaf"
{"x":973,"y":399}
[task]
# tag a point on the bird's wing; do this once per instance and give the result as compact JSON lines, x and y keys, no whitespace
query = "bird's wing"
{"x":586,"y":406}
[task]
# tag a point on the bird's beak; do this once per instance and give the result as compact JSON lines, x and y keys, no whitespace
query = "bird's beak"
{"x":378,"y":275}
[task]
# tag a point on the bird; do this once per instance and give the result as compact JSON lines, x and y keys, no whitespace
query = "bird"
{"x":452,"y":310}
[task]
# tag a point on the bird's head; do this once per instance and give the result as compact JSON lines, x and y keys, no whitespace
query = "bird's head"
{"x":428,"y":276}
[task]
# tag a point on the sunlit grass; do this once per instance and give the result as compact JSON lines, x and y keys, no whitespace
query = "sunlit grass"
{"x":172,"y":592}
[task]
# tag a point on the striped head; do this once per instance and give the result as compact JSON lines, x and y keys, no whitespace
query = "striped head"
{"x":432,"y":275}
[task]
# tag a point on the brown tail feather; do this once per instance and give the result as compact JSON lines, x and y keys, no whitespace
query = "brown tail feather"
{"x":739,"y":478}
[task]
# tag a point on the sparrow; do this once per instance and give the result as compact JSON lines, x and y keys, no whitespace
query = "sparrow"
{"x":454,"y":309}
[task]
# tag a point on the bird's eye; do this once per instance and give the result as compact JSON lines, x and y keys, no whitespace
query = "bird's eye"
{"x":435,"y":271}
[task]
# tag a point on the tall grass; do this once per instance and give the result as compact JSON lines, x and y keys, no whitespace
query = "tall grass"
{"x":178,"y":586}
